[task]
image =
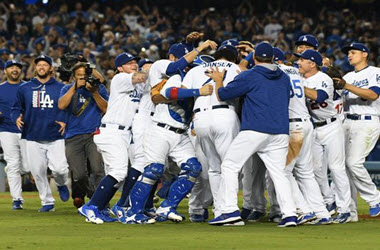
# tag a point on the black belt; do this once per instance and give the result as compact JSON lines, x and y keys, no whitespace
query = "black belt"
{"x":320,"y":124}
{"x":120,"y":127}
{"x":295,"y":120}
{"x":359,"y":117}
{"x":175,"y":130}
{"x":151,"y":113}
{"x":213,"y":107}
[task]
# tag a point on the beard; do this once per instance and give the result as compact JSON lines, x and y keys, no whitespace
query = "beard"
{"x":11,"y":77}
{"x":43,"y":76}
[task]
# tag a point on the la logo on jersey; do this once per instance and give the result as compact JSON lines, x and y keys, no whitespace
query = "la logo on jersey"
{"x":41,"y":99}
{"x":82,"y":99}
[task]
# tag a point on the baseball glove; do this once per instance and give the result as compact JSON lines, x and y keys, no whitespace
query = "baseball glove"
{"x":335,"y":75}
{"x":156,"y":89}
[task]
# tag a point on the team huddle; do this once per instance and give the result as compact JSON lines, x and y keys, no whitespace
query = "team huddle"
{"x":243,"y":114}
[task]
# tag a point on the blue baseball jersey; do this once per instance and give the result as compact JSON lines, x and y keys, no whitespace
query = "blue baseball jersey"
{"x":7,"y":98}
{"x":266,"y":91}
{"x":90,"y":118}
{"x":38,"y":103}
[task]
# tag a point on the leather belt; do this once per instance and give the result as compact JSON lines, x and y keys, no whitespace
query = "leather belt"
{"x":212,"y":107}
{"x":298,"y":120}
{"x":320,"y":124}
{"x":119,"y":126}
{"x":359,"y":117}
{"x":168,"y":127}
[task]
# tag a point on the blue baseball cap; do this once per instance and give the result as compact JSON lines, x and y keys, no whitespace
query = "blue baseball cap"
{"x":44,"y":58}
{"x":202,"y":59}
{"x":355,"y":46}
{"x":264,"y":50}
{"x":5,"y":51}
{"x":229,"y":44}
{"x":144,"y":61}
{"x":311,"y":55}
{"x":278,"y":54}
{"x":307,"y":40}
{"x":11,"y":63}
{"x":179,"y":50}
{"x":40,"y":40}
{"x":125,"y":57}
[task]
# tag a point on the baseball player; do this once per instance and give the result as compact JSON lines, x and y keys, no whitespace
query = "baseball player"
{"x":328,"y":132}
{"x":36,"y":112}
{"x":362,"y":126}
{"x":115,"y":135}
{"x":10,"y":135}
{"x":208,"y":111}
{"x":264,"y":129}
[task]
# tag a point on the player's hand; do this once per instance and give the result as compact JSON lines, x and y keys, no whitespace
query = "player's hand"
{"x":19,"y":122}
{"x":206,"y":90}
{"x":244,"y":49}
{"x":194,"y":37}
{"x":208,"y":44}
{"x":62,"y":125}
{"x":339,"y":83}
{"x":215,"y":74}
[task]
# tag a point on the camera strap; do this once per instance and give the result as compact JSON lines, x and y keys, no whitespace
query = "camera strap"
{"x":75,"y":105}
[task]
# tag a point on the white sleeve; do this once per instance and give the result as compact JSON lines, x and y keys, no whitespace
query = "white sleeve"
{"x":188,"y":80}
{"x":327,"y":85}
{"x":122,"y":83}
{"x":374,"y":79}
{"x":158,"y":72}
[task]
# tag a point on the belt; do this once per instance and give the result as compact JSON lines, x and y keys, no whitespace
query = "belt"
{"x":151,"y":113}
{"x":359,"y":117}
{"x":297,"y":120}
{"x":212,"y":107}
{"x":320,"y":124}
{"x":114,"y":125}
{"x":168,"y":127}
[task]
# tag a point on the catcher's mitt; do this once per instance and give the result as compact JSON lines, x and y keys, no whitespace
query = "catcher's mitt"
{"x":335,"y":75}
{"x":156,"y":89}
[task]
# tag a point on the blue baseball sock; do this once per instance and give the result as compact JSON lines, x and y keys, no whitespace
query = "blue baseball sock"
{"x":149,"y":202}
{"x":178,"y":190}
{"x":104,"y":192}
{"x":129,"y":182}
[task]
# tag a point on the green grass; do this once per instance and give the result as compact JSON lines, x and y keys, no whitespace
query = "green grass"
{"x":65,"y":229}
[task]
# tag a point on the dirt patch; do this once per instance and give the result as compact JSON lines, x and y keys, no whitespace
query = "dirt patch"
{"x":366,"y":216}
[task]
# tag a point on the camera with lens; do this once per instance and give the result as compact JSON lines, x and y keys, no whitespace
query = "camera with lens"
{"x":67,"y":63}
{"x":92,"y":80}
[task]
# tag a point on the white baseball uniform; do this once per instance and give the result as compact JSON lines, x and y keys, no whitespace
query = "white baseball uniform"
{"x":214,"y":140}
{"x":362,"y":129}
{"x":329,"y":138}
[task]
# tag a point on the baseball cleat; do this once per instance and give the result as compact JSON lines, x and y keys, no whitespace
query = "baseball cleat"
{"x":46,"y":208}
{"x":17,"y":205}
{"x":226,"y":218}
{"x":255,"y":216}
{"x":275,"y":218}
{"x":288,"y":222}
{"x":120,"y":213}
{"x":170,"y":213}
{"x":91,"y":213}
{"x":354,"y":217}
{"x":320,"y":221}
{"x":105,"y":215}
{"x":303,"y":218}
{"x":236,"y":223}
{"x":342,"y":218}
{"x":64,"y":193}
{"x":374,"y":210}
{"x":151,"y":212}
{"x":245,"y":213}
{"x":331,"y":208}
{"x":197,"y":218}
{"x":139,"y":218}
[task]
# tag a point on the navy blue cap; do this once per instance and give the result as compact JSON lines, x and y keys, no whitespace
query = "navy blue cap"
{"x":230,"y":44}
{"x":311,"y":55}
{"x":278,"y":54}
{"x":40,"y":40}
{"x":44,"y":58}
{"x":125,"y":57}
{"x":11,"y":63}
{"x":264,"y":50}
{"x":307,"y":40}
{"x":144,"y":61}
{"x":355,"y":46}
{"x":202,"y":59}
{"x":179,"y":50}
{"x":5,"y":51}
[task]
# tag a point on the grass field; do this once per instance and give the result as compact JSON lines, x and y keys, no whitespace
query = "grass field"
{"x":65,"y":229}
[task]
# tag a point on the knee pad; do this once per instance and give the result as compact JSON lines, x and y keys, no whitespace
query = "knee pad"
{"x":192,"y":168}
{"x":153,"y":172}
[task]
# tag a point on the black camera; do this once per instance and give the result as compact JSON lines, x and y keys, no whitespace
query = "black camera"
{"x":67,"y":63}
{"x":92,"y":80}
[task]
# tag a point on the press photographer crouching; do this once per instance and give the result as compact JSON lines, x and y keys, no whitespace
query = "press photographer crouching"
{"x":85,"y":101}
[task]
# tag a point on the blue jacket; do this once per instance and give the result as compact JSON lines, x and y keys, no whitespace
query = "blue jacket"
{"x":266,"y":99}
{"x":89,"y":120}
{"x":39,"y":105}
{"x":7,"y":98}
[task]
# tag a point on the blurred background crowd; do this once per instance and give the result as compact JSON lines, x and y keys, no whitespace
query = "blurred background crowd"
{"x":100,"y":30}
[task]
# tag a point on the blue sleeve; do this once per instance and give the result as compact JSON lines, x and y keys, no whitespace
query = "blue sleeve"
{"x":236,"y":88}
{"x":17,"y":108}
{"x":180,"y":93}
{"x":174,"y":66}
{"x":61,"y":116}
{"x":103,"y":92}
{"x":321,"y":96}
{"x":64,"y":90}
{"x":375,"y":89}
{"x":249,"y":58}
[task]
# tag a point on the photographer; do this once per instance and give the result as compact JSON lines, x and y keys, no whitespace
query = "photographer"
{"x":85,"y":101}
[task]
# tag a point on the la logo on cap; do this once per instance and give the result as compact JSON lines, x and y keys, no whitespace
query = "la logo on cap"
{"x":13,"y":61}
{"x":312,"y":57}
{"x":304,"y":38}
{"x":229,"y":43}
